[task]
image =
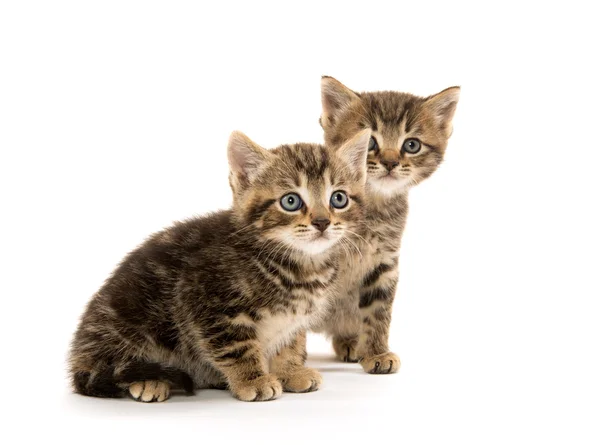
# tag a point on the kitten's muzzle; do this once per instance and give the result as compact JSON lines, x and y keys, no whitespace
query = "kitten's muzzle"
{"x":390,"y":164}
{"x":321,"y":223}
{"x":390,"y":159}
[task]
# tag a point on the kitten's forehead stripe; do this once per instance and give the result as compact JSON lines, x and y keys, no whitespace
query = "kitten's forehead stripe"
{"x":400,"y":118}
{"x":259,"y":208}
{"x":387,"y":109}
{"x":332,"y":177}
{"x":310,"y":162}
{"x":356,"y":198}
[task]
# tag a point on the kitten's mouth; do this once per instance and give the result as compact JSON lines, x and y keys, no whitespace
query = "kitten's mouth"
{"x":323,"y":239}
{"x":391,"y":183}
{"x":389,"y":176}
{"x":394,"y":176}
{"x":318,"y":243}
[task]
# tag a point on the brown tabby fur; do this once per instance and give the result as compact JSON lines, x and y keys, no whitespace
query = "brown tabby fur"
{"x":360,"y":319}
{"x":223,"y":300}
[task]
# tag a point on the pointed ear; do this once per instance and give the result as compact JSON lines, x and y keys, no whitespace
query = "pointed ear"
{"x":245,"y":159}
{"x":335,"y":97}
{"x":442,"y":107}
{"x":354,"y":153}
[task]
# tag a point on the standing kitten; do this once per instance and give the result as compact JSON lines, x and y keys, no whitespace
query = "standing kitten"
{"x":410,"y":135}
{"x":210,"y":301}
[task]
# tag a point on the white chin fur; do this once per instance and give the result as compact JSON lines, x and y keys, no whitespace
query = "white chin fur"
{"x":316,"y":246}
{"x":388,"y":186}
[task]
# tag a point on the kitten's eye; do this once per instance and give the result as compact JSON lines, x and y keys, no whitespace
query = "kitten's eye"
{"x":373,"y":144}
{"x":339,"y":199}
{"x":291,"y":202}
{"x":411,"y":146}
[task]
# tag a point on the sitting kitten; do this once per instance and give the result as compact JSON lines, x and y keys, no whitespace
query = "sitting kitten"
{"x":410,"y":135}
{"x":209,"y":301}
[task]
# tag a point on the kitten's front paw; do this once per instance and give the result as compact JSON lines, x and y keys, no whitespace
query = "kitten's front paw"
{"x":150,"y":391}
{"x":345,"y":349}
{"x":302,"y":380}
{"x":386,"y":363}
{"x":262,"y":388}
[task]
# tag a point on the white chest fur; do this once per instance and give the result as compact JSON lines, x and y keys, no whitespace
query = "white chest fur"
{"x":275,"y":330}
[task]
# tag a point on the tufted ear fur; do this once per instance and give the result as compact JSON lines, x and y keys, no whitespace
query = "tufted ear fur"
{"x":246,"y":160}
{"x":441,"y":107}
{"x":354,"y":153}
{"x":335,"y":98}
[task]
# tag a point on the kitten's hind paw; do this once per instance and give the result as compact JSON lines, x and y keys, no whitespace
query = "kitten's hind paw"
{"x":386,"y":363}
{"x":150,"y":391}
{"x":345,"y":349}
{"x":302,"y":380}
{"x":260,"y":389}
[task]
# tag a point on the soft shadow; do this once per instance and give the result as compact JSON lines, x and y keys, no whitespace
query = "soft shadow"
{"x":348,"y":370}
{"x":322,"y":358}
{"x":203,"y":395}
{"x":329,"y":363}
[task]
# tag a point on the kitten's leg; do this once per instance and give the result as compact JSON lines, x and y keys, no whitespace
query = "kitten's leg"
{"x":150,"y":391}
{"x":345,"y":348}
{"x":344,"y":326}
{"x":289,"y":367}
{"x":236,"y":352}
{"x":375,"y":305}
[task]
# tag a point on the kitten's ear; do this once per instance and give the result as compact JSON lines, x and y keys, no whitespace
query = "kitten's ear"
{"x":245,"y":158}
{"x":335,"y":97}
{"x":354,"y":153}
{"x":442,"y":107}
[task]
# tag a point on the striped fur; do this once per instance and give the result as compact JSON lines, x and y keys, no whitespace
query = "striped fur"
{"x":209,"y":302}
{"x":360,"y":317}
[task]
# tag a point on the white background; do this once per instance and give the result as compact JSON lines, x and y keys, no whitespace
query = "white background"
{"x":114,"y":118}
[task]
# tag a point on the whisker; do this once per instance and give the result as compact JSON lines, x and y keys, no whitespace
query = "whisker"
{"x":348,"y":253}
{"x":355,"y":246}
{"x":357,"y":235}
{"x":242,"y":229}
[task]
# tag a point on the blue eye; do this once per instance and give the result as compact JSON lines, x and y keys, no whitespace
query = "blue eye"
{"x":291,"y":202}
{"x":339,"y":199}
{"x":373,"y":145}
{"x":412,"y":146}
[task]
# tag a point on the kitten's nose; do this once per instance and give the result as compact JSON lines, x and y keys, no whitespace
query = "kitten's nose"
{"x":321,"y":223}
{"x":389,"y":164}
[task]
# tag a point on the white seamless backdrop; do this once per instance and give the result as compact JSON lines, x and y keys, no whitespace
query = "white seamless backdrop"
{"x":114,"y":118}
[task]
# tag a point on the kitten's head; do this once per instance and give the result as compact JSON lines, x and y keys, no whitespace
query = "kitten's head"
{"x":410,"y":133}
{"x":306,"y":196}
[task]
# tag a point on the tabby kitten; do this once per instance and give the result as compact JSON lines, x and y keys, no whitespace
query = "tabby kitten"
{"x":223,"y":300}
{"x":410,"y":135}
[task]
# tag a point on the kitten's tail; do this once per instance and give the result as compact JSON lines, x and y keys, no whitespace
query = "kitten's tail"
{"x":107,"y":383}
